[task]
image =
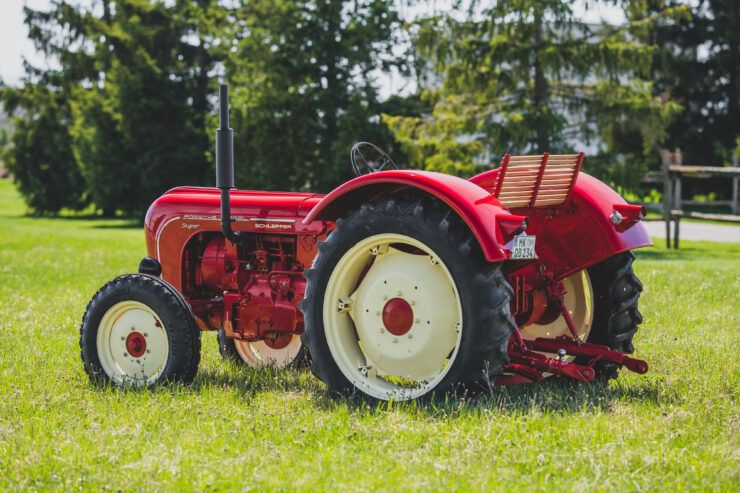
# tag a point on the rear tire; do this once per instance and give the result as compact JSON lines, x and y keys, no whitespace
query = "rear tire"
{"x":138,"y":330}
{"x":256,"y":354}
{"x":616,"y":317}
{"x":416,"y":251}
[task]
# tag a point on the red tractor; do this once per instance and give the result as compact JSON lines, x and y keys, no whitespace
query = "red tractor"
{"x":399,"y":283}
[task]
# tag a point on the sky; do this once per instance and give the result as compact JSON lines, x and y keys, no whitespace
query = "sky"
{"x":14,"y":40}
{"x":16,"y":45}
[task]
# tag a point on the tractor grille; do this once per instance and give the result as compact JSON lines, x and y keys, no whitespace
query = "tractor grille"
{"x":537,"y":181}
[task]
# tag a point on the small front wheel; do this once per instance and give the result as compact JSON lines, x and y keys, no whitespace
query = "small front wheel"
{"x":138,"y":330}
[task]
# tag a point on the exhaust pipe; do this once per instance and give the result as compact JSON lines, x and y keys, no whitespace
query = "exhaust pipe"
{"x":225,"y":165}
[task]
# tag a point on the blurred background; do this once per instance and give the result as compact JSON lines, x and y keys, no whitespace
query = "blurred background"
{"x":105,"y":104}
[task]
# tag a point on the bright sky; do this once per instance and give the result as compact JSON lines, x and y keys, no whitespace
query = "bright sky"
{"x":16,"y":45}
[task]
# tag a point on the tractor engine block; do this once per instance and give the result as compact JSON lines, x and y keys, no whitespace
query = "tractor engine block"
{"x":258,"y":284}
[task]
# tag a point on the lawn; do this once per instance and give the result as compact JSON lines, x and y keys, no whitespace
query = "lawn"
{"x":675,"y":428}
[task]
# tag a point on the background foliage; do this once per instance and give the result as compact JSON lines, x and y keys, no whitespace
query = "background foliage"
{"x":130,"y":112}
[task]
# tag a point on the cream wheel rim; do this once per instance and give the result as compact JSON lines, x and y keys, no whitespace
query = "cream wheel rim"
{"x":258,"y":353}
{"x":381,"y":358}
{"x":132,"y":344}
{"x":579,"y":302}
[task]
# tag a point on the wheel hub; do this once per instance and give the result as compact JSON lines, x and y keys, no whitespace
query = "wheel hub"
{"x":132,"y":343}
{"x":136,"y":344}
{"x":280,"y":341}
{"x":405,"y":314}
{"x":398,"y":316}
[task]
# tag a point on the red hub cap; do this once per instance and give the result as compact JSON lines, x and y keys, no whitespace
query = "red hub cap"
{"x":398,"y":316}
{"x":135,"y":344}
{"x":279,"y":342}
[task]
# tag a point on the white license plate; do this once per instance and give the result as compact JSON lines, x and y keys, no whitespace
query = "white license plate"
{"x":523,"y":247}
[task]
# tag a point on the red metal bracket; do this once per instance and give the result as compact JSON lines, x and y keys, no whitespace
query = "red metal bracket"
{"x":576,"y":170}
{"x":589,"y":350}
{"x":537,"y":183}
{"x":529,"y":365}
{"x":502,"y":174}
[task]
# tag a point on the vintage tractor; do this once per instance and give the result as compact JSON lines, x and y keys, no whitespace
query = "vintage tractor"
{"x":399,"y":283}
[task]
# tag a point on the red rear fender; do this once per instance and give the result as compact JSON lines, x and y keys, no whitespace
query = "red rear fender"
{"x":572,"y":238}
{"x":474,"y":205}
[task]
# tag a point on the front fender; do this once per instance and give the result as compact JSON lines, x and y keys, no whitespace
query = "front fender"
{"x":473,"y":204}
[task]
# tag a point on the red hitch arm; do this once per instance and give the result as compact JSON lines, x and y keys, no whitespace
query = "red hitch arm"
{"x":588,"y":350}
{"x":541,"y":363}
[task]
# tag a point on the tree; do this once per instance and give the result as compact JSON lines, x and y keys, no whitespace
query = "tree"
{"x":303,"y":90}
{"x":139,"y":128}
{"x":527,"y":77}
{"x":40,"y":153}
{"x":698,"y":65}
{"x":135,"y":74}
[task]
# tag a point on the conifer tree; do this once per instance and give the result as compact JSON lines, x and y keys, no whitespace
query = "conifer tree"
{"x":303,"y":88}
{"x":697,"y":65}
{"x":527,"y":77}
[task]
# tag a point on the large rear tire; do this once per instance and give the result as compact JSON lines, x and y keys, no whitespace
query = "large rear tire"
{"x":138,"y":330}
{"x":616,"y":317}
{"x":401,"y":304}
{"x":257,"y":354}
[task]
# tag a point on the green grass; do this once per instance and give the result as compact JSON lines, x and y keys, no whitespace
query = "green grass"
{"x":675,"y":428}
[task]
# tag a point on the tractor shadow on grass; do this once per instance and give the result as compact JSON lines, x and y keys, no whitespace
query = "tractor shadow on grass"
{"x":569,"y":396}
{"x":552,"y":396}
{"x":242,"y":382}
{"x":246,"y":382}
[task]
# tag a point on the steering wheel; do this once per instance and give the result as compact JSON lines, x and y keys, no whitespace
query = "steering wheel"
{"x":371,"y":164}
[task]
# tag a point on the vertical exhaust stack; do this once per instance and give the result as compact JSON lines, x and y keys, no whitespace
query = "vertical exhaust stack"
{"x":225,"y":164}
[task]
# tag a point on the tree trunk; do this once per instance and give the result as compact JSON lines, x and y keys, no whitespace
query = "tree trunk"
{"x":540,"y":88}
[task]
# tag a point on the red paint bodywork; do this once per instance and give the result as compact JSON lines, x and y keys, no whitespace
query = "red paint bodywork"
{"x":252,"y":291}
{"x":475,"y":206}
{"x":250,"y":302}
{"x":181,"y":213}
{"x":574,"y":237}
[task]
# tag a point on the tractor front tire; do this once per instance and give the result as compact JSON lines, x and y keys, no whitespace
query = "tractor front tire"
{"x":401,"y":304}
{"x":137,"y":331}
{"x":256,"y":354}
{"x":616,"y":317}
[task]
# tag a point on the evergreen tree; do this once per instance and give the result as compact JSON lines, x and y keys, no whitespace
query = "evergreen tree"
{"x":39,"y":153}
{"x":301,"y":77}
{"x":698,"y":65}
{"x":139,"y":129}
{"x":526,"y":77}
{"x":135,"y":77}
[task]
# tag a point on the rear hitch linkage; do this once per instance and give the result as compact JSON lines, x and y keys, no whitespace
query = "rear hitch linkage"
{"x":528,"y":365}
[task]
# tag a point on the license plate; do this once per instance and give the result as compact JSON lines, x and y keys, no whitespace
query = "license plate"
{"x":523,"y":247}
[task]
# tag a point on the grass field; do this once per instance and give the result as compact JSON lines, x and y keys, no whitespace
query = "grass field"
{"x":675,"y":428}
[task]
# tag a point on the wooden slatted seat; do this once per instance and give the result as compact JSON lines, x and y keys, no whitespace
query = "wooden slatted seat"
{"x":537,"y":181}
